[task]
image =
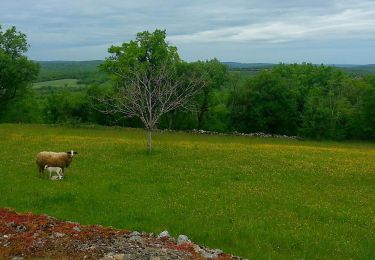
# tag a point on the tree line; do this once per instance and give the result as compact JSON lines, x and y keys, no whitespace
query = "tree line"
{"x":311,"y":101}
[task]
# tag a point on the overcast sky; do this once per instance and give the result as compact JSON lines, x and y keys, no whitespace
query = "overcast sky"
{"x":317,"y":31}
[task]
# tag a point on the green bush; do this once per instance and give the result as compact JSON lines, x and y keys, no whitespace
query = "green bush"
{"x":22,"y":109}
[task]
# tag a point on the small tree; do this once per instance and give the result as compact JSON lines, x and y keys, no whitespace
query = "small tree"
{"x":148,"y":82}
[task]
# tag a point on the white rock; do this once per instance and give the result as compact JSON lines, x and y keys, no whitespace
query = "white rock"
{"x":58,"y":234}
{"x":218,"y":251}
{"x":165,"y":233}
{"x":135,"y":233}
{"x":76,"y":228}
{"x":21,"y":228}
{"x":17,"y":258}
{"x":182,"y":239}
{"x":208,"y":253}
{"x":135,"y":238}
{"x":114,"y":256}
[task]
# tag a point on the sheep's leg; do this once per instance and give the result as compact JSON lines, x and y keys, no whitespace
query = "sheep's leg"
{"x":40,"y":172}
{"x":59,"y":175}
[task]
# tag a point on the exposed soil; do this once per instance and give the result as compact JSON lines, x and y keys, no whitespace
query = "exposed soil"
{"x":29,"y":236}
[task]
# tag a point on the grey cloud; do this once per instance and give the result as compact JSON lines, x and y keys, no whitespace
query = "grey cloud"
{"x":86,"y":28}
{"x":353,"y":22}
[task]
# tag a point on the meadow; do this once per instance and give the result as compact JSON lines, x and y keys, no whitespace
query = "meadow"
{"x":60,"y":83}
{"x":260,"y":198}
{"x":46,"y":88}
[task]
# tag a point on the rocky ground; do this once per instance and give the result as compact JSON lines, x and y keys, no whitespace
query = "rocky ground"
{"x":29,"y":236}
{"x":235,"y":133}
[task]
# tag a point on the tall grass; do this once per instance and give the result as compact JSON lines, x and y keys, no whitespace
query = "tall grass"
{"x":253,"y":197}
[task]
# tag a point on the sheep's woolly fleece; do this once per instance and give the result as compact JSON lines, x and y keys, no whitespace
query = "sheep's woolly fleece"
{"x":40,"y":236}
{"x":62,"y":159}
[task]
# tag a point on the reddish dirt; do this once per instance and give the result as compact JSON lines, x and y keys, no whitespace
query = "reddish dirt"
{"x":29,"y":236}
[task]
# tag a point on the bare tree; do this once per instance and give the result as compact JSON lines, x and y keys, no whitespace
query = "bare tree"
{"x":149,"y":93}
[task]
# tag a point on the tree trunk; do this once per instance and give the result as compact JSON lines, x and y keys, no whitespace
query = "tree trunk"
{"x":170,"y":120}
{"x":149,"y":140}
{"x":202,"y":111}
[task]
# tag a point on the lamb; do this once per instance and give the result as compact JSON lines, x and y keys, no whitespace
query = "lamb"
{"x":52,"y":159}
{"x":57,"y":170}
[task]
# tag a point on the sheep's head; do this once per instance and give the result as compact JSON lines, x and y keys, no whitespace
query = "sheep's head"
{"x":71,"y":153}
{"x":45,"y":167}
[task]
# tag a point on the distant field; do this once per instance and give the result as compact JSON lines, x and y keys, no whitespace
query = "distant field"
{"x":58,"y":86}
{"x":51,"y":70}
{"x":253,"y":197}
{"x":61,"y":83}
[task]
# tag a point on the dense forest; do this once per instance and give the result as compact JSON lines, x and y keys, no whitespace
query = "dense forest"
{"x":306,"y":100}
{"x":312,"y":101}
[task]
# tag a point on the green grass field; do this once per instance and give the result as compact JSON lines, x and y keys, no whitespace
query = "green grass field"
{"x":60,"y":83}
{"x":58,"y":86}
{"x":252,"y":197}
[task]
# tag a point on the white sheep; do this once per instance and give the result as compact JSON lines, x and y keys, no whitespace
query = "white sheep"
{"x":52,"y":170}
{"x":53,"y":159}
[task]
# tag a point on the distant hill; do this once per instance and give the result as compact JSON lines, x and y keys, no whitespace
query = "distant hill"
{"x":238,"y":65}
{"x":254,"y":68}
{"x":361,"y":70}
{"x":91,"y":65}
{"x":87,"y":71}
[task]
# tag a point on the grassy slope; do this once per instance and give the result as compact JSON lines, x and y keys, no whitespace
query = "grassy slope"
{"x":259,"y":198}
